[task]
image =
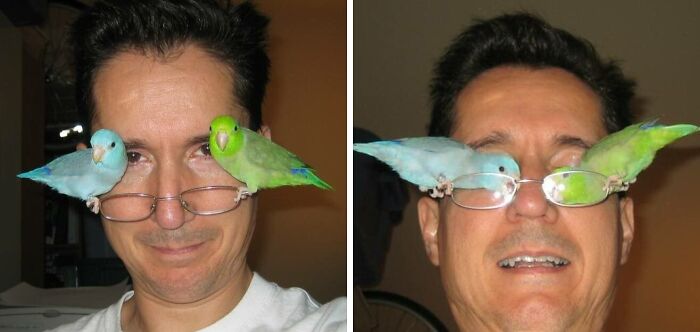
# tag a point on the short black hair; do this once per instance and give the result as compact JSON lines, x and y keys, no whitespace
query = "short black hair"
{"x":522,"y":39}
{"x":236,"y":35}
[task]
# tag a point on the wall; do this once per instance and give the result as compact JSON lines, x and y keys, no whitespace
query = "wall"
{"x":395,"y":46}
{"x":11,"y":110}
{"x":300,"y":238}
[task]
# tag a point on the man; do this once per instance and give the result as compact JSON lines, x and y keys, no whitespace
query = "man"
{"x":515,"y":84}
{"x":157,"y":72}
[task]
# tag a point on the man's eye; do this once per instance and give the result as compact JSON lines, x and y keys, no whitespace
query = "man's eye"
{"x":133,"y":157}
{"x":204,"y":149}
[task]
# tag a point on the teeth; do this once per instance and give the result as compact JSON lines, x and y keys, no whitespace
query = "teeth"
{"x":532,"y":261}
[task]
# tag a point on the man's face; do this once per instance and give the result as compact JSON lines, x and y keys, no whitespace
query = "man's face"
{"x":544,"y":118}
{"x":162,"y":109}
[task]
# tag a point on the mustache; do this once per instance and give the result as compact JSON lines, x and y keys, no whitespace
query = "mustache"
{"x":533,"y":235}
{"x":161,"y":237}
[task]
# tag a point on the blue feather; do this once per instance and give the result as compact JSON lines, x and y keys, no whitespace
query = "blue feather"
{"x":649,"y":124}
{"x":77,"y":175}
{"x":37,"y":173}
{"x":423,"y":160}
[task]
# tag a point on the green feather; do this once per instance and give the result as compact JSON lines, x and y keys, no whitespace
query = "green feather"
{"x":575,"y":188}
{"x":256,"y":160}
{"x":619,"y":156}
{"x":627,"y":153}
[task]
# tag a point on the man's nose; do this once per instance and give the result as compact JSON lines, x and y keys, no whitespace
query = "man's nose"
{"x":169,"y":213}
{"x":530,"y":202}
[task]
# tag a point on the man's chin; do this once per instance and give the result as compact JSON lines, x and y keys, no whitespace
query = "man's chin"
{"x":180,"y":285}
{"x":537,"y":313}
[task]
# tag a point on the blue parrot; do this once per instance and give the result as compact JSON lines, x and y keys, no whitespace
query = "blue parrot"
{"x":433,"y":163}
{"x":87,"y":173}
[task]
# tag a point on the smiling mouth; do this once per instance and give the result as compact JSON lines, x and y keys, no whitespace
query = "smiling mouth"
{"x":178,"y":250}
{"x":526,"y":261}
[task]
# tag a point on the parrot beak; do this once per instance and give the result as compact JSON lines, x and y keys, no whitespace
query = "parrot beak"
{"x":221,"y":140}
{"x":97,"y":154}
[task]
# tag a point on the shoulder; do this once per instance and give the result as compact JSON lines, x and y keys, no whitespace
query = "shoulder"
{"x":329,"y":317}
{"x":107,"y":320}
{"x":298,"y":311}
{"x":269,"y":307}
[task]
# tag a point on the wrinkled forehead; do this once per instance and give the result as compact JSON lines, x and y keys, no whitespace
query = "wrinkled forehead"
{"x":522,"y":103}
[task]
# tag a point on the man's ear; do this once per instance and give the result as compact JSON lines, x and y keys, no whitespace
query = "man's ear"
{"x":265,"y":131}
{"x":627,"y":223}
{"x":429,"y":219}
{"x":80,"y":146}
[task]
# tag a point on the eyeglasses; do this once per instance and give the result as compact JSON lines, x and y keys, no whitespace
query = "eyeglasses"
{"x":483,"y":191}
{"x":203,"y":201}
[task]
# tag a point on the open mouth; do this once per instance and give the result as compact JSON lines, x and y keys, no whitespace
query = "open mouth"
{"x":525,"y":261}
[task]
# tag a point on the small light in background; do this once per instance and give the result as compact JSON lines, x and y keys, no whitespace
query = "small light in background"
{"x":75,"y":129}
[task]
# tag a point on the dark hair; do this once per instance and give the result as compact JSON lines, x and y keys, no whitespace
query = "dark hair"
{"x":236,"y":36}
{"x":524,"y":40}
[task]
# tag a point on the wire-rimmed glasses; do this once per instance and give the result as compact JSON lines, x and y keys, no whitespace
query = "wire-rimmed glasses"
{"x":575,"y":188}
{"x":203,"y":201}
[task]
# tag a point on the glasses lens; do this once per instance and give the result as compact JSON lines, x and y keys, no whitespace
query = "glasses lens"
{"x":483,"y":190}
{"x":575,"y":188}
{"x":210,"y":200}
{"x":126,"y":207}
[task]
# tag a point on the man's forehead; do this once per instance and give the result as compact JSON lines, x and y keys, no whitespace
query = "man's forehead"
{"x":510,"y":105}
{"x":133,"y":86}
{"x":507,"y":137}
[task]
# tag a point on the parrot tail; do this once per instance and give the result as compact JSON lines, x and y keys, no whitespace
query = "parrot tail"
{"x":385,"y":151}
{"x":320,"y":183}
{"x":36,"y":174}
{"x":311,"y":178}
{"x":366,"y":148}
{"x":668,"y":134}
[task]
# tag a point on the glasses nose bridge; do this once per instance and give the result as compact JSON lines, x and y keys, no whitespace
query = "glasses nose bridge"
{"x":519,"y":182}
{"x":529,"y":181}
{"x":178,"y":197}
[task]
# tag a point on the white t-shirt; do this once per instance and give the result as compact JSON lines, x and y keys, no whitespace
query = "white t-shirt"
{"x":264,"y":307}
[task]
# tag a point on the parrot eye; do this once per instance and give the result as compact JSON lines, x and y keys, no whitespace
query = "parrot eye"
{"x":209,"y":128}
{"x":501,"y":169}
{"x":235,"y":128}
{"x":113,"y":144}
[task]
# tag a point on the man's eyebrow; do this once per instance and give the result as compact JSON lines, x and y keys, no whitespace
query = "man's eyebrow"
{"x":497,"y":137}
{"x":135,"y":143}
{"x":568,"y":140}
{"x":198,"y":139}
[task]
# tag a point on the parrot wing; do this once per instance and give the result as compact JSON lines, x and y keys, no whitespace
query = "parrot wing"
{"x":275,"y":166}
{"x":625,"y":154}
{"x":75,"y":175}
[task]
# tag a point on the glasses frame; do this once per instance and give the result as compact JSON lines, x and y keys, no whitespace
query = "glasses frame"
{"x":242,"y":194}
{"x":517,"y":182}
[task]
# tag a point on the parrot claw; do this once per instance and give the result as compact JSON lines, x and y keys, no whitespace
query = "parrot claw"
{"x":435,"y":193}
{"x":444,"y":188}
{"x":93,"y":203}
{"x":615,"y":184}
{"x":243,"y":193}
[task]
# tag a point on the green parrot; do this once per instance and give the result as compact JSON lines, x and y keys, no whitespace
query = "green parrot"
{"x":256,"y":160}
{"x":620,"y":157}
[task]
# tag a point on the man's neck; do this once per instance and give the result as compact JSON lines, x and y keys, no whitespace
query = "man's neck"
{"x":145,"y":312}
